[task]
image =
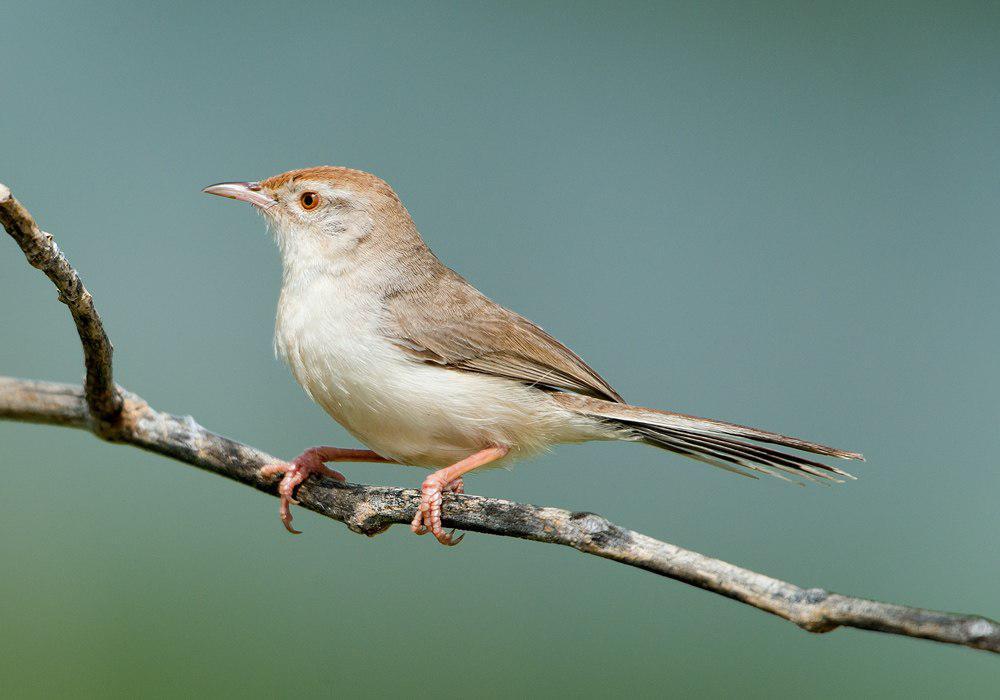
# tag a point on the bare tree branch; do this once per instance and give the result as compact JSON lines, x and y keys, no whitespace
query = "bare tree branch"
{"x":103,"y":398}
{"x":114,"y":414}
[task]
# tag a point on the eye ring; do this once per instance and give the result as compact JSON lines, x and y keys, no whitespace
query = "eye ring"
{"x":309,"y":200}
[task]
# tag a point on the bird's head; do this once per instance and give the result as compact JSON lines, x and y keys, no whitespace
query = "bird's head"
{"x":326,"y":214}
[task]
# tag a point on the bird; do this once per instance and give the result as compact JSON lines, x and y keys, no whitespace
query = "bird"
{"x":426,"y":371}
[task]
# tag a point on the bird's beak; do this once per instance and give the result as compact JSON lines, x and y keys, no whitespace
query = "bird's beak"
{"x":243,"y":191}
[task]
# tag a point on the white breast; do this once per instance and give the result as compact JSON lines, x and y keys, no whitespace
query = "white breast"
{"x":327,"y":331}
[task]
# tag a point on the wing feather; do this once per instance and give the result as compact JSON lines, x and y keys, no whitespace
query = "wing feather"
{"x":447,"y":321}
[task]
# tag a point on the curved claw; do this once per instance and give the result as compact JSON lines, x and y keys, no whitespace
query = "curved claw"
{"x":293,"y":474}
{"x":448,"y":480}
{"x":417,"y":526}
{"x":285,"y":513}
{"x":312,"y":461}
{"x":451,"y":539}
{"x":428,"y":515}
{"x":287,"y":522}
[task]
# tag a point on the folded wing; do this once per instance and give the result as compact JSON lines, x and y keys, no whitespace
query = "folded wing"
{"x":478,"y":335}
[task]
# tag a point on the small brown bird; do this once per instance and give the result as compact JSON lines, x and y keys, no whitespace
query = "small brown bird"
{"x":426,"y":371}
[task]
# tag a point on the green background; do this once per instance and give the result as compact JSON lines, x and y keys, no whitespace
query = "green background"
{"x":782,"y":214}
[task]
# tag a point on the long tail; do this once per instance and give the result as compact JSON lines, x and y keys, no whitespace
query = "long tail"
{"x":712,"y":441}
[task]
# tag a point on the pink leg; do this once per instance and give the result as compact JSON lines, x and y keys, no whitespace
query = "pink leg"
{"x":449,"y":479}
{"x":311,"y":462}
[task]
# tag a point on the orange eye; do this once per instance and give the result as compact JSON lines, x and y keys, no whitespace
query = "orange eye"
{"x":309,"y":200}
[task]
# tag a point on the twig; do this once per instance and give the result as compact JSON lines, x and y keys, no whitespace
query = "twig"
{"x":103,"y":397}
{"x":370,"y":510}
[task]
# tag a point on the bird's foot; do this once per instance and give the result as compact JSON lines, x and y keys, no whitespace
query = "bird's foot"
{"x":428,"y":516}
{"x":449,"y":479}
{"x":294,"y":473}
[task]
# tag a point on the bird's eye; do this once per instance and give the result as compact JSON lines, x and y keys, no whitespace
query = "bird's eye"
{"x":309,"y":200}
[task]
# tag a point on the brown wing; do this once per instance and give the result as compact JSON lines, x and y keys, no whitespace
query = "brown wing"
{"x":447,"y":321}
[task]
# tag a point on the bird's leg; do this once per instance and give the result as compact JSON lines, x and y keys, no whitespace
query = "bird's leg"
{"x":312,"y":461}
{"x":449,"y":479}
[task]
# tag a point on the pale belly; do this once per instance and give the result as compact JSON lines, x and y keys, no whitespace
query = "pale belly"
{"x":412,"y":412}
{"x":422,"y":414}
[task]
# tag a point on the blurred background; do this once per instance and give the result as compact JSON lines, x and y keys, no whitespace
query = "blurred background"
{"x":779,"y":214}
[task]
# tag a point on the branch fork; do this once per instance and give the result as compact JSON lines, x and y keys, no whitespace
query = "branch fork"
{"x":114,"y":414}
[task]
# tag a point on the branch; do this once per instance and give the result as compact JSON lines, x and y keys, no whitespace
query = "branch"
{"x":370,"y":510}
{"x":103,"y":398}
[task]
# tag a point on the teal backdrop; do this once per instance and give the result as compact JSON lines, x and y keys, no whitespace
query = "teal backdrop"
{"x":782,"y":214}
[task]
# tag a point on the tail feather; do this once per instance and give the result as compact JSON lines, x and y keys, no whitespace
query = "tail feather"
{"x":780,"y":459}
{"x":710,"y":457}
{"x":745,"y":455}
{"x":713,"y":441}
